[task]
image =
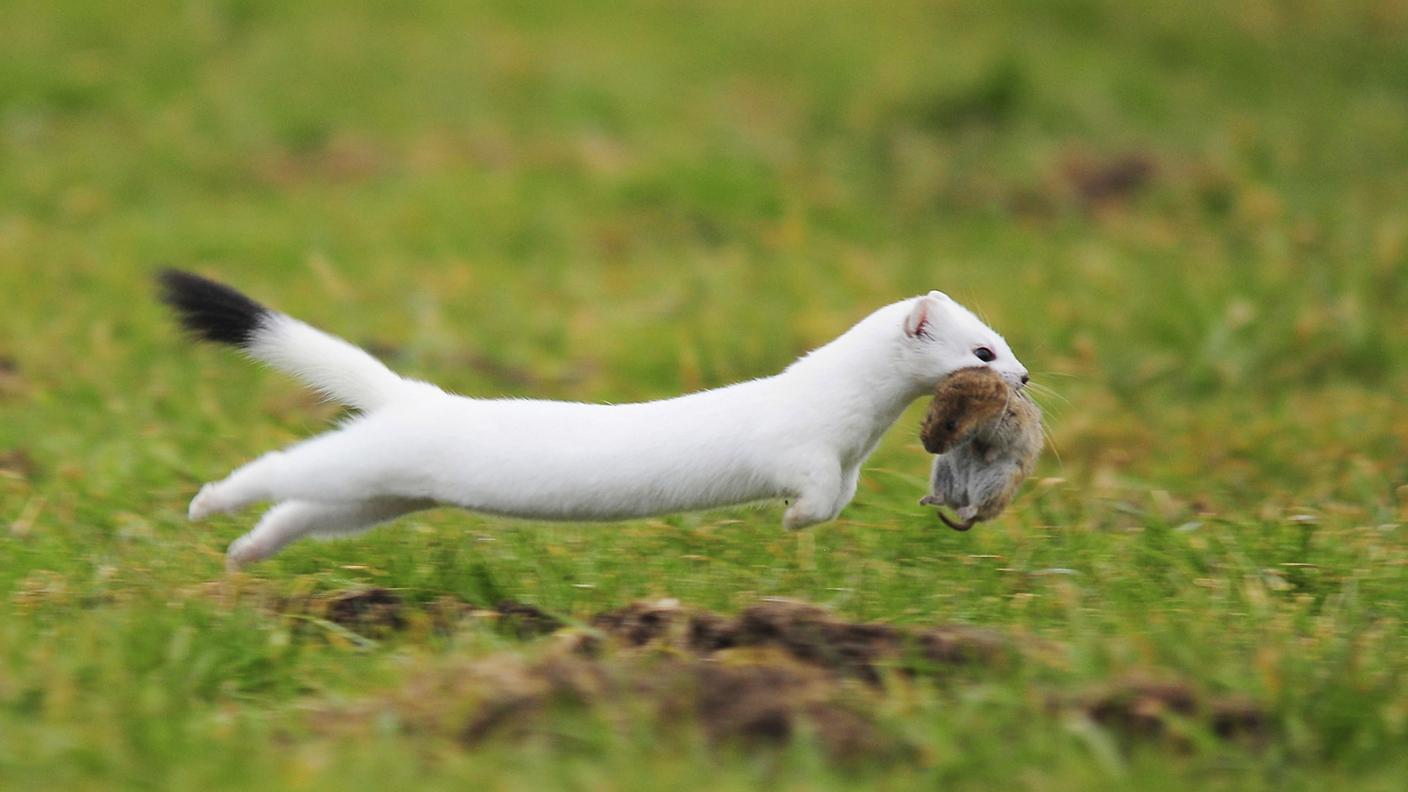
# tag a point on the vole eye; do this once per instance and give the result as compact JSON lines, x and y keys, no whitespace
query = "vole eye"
{"x":984,"y":354}
{"x":951,"y":426}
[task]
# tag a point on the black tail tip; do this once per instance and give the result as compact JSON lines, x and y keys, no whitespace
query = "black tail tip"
{"x":208,"y":310}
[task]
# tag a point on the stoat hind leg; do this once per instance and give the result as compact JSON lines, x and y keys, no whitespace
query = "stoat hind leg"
{"x":350,"y":464}
{"x":293,"y":520}
{"x":247,"y":485}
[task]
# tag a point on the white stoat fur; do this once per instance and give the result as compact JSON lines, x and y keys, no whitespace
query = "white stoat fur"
{"x":801,"y":434}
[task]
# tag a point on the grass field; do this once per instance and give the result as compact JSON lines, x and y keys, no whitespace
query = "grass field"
{"x":1189,"y":220}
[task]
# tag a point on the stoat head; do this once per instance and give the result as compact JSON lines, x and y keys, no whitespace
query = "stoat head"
{"x":940,"y":336}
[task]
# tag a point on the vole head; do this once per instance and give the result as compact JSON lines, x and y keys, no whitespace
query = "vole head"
{"x":964,"y":401}
{"x":941,"y":336}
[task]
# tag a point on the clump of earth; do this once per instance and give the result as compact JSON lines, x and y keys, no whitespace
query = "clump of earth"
{"x":775,"y":670}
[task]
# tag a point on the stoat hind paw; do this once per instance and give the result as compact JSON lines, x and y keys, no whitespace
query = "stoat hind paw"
{"x":244,"y":551}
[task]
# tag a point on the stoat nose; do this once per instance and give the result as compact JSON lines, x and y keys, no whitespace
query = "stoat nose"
{"x":1025,"y":378}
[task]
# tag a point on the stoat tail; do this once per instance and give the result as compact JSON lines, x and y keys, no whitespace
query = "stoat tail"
{"x":215,"y":312}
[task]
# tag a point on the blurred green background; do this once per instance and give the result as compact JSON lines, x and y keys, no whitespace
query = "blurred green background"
{"x":1190,"y":220}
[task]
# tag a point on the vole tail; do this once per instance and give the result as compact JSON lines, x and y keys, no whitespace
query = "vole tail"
{"x":211,"y":311}
{"x":959,"y":526}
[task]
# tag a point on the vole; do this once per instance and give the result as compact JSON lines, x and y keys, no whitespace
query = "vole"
{"x":987,"y":435}
{"x":799,"y":435}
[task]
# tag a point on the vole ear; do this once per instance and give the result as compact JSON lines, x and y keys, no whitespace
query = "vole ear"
{"x":922,"y":314}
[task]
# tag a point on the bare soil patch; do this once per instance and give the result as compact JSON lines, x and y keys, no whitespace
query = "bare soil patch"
{"x":776,"y":670}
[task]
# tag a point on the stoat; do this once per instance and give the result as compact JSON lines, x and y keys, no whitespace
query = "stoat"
{"x":800,"y":435}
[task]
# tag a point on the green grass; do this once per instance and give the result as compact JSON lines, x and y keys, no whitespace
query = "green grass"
{"x":625,"y":201}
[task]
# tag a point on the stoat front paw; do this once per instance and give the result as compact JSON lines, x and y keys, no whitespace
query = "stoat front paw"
{"x":204,"y":504}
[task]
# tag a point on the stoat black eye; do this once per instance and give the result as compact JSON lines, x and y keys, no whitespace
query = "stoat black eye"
{"x":984,"y":354}
{"x":951,"y":426}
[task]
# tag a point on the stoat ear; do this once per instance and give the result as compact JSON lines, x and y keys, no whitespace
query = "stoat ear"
{"x":938,"y":295}
{"x":922,"y":314}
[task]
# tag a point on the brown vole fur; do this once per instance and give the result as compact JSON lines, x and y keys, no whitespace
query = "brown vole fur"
{"x":963,"y":401}
{"x":987,"y":436}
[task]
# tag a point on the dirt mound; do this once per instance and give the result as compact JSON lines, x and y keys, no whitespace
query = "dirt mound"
{"x":526,"y":621}
{"x":1098,"y":182}
{"x":376,"y":612}
{"x":1153,"y":708}
{"x":770,"y":700}
{"x":743,"y":700}
{"x":779,"y":669}
{"x":807,"y":633}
